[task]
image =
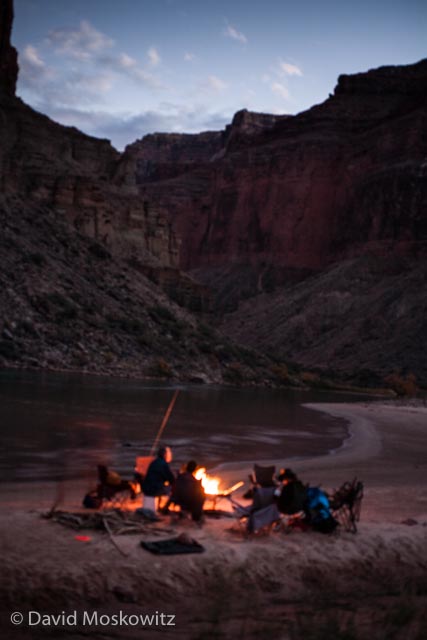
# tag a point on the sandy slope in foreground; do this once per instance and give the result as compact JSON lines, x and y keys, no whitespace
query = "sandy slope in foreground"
{"x":251,"y":588}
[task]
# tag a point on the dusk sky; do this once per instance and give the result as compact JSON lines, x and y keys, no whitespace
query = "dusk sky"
{"x":122,"y":69}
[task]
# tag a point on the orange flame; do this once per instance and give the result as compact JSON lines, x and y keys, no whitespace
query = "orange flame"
{"x":210,"y":485}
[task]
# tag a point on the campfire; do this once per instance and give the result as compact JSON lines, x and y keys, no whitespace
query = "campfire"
{"x":211,"y":485}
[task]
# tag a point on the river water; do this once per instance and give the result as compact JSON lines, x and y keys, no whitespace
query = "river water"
{"x":61,"y":426}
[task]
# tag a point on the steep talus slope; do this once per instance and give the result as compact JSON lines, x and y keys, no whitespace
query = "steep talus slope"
{"x":68,"y":304}
{"x":364,"y":319}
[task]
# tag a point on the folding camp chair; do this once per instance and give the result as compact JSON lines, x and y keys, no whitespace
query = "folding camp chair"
{"x":261,"y":516}
{"x":260,"y":477}
{"x":346,"y":503}
{"x":263,"y":476}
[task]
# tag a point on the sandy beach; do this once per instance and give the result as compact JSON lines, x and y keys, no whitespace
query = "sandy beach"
{"x":287,"y":585}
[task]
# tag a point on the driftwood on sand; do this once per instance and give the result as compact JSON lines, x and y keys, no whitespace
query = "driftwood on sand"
{"x":115,"y":522}
{"x":110,"y":535}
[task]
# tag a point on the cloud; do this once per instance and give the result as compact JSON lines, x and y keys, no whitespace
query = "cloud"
{"x":77,"y":90}
{"x":234,"y":34}
{"x":95,"y":84}
{"x":84,"y":66}
{"x":69,"y":75}
{"x":126,"y":62}
{"x":281,"y":90}
{"x":288,"y":69}
{"x":87,"y":44}
{"x":125,"y":65}
{"x":216,"y":84}
{"x":81,"y":44}
{"x":75,"y":86}
{"x":80,"y":85}
{"x":125,"y":128}
{"x":32,"y":57}
{"x":33,"y":70}
{"x":146,"y":78}
{"x":282,"y":71}
{"x":153,"y":56}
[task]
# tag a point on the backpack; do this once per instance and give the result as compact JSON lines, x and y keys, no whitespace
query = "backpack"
{"x":317,"y":511}
{"x":92,"y":500}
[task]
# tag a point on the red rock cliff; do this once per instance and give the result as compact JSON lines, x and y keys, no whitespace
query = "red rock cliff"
{"x":163,"y":156}
{"x":343,"y":178}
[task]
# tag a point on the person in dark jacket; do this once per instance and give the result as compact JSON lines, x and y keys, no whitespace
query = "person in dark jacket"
{"x":188,"y":492}
{"x":159,"y":478}
{"x":291,"y":495}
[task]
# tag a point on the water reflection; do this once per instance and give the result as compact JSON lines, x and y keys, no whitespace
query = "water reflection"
{"x":54,"y":425}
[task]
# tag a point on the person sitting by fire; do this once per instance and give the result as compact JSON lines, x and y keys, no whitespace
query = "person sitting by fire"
{"x":159,"y":478}
{"x":268,"y":502}
{"x":188,"y":492}
{"x":111,"y":483}
{"x":291,"y":494}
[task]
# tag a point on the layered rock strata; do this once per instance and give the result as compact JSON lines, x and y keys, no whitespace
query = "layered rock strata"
{"x":299,"y":193}
{"x":271,"y":201}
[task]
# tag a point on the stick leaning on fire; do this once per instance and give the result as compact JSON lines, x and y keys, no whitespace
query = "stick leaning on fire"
{"x":210,"y":485}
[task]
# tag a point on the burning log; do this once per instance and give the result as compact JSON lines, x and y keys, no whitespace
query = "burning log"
{"x":211,"y":486}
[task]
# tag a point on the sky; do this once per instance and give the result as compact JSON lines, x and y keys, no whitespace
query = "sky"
{"x":120,"y":69}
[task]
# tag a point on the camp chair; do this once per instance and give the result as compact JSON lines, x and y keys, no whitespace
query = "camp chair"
{"x":141,"y":466}
{"x":241,"y":514}
{"x":346,"y":503}
{"x":263,"y":476}
{"x":260,"y":477}
{"x":261,"y":516}
{"x":115,"y":493}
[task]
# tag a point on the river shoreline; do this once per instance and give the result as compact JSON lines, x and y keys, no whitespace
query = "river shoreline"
{"x":253,"y":588}
{"x":372,"y":431}
{"x":57,"y":427}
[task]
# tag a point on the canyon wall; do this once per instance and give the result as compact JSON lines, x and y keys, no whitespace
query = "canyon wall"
{"x":301,"y":192}
{"x":46,"y":164}
{"x":304,"y":212}
{"x":312,"y":229}
{"x":60,"y":167}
